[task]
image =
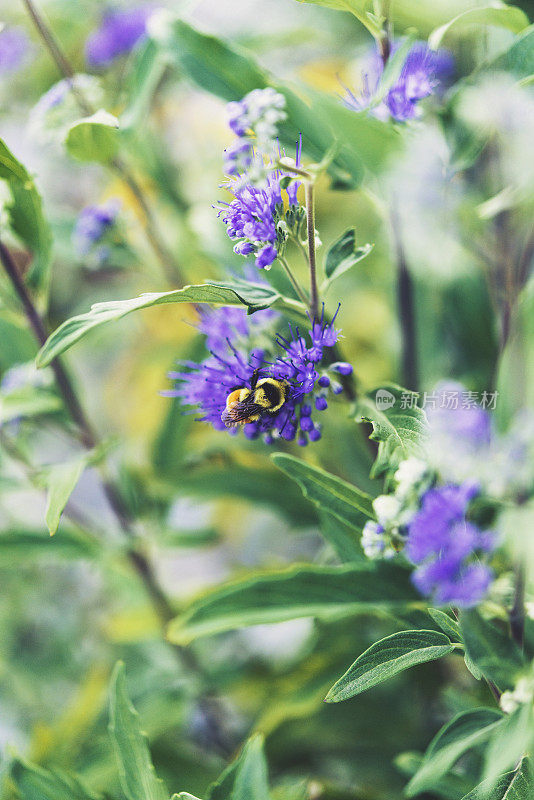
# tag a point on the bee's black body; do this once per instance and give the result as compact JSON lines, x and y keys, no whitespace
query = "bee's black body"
{"x":265,"y":396}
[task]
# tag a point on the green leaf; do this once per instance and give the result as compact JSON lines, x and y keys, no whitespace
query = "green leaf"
{"x":26,"y":217}
{"x":496,"y":655}
{"x":452,"y":629}
{"x":399,"y":425}
{"x":246,"y":777}
{"x":94,"y":138}
{"x":387,"y":658}
{"x":449,"y":787}
{"x":343,"y":255}
{"x":136,"y":771}
{"x":36,"y":783}
{"x":516,"y":785}
{"x":357,"y":7}
{"x":329,"y":493}
{"x":28,"y":402}
{"x":147,"y":71}
{"x":508,"y":744}
{"x":251,"y":781}
{"x":300,"y":591}
{"x":260,"y":485}
{"x":344,"y":539}
{"x":498,"y":15}
{"x":60,"y":481}
{"x":27,"y":544}
{"x":447,"y":624}
{"x":465,"y":731}
{"x":230,"y":72}
{"x":75,"y":328}
{"x":184,"y":796}
{"x":519,"y":57}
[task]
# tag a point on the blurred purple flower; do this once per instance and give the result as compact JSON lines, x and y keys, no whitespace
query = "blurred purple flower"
{"x":469,"y":426}
{"x":443,"y":544}
{"x":15,"y":49}
{"x":424,"y":72}
{"x":92,"y":224}
{"x":118,"y":33}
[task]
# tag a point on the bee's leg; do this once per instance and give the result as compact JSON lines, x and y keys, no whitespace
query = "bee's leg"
{"x":254,"y":379}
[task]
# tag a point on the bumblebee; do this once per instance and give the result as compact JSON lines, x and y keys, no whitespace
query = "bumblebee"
{"x":265,"y":396}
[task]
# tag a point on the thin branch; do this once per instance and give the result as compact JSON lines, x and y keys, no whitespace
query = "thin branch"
{"x":310,"y":227}
{"x":406,"y":307}
{"x":294,"y":282}
{"x":168,"y":262}
{"x":517,"y":612}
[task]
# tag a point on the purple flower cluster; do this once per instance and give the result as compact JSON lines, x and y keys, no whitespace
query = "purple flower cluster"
{"x":118,"y":33}
{"x":423,"y":73}
{"x":92,"y":225}
{"x":253,"y":217}
{"x":233,"y":361}
{"x":444,"y":545}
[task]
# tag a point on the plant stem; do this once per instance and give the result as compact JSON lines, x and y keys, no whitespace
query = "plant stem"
{"x":294,"y":282}
{"x":310,"y":227}
{"x":517,"y":613}
{"x":168,"y":262}
{"x":139,"y":561}
{"x":384,"y":42}
{"x":406,"y":307}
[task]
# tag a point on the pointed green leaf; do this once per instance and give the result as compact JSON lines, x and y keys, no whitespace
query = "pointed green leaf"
{"x":300,"y":591}
{"x":60,"y":481}
{"x":330,"y":493}
{"x":399,"y":425}
{"x":74,"y":329}
{"x":343,"y":255}
{"x":184,"y":796}
{"x":516,"y":785}
{"x":496,"y":655}
{"x":246,"y":777}
{"x":251,"y":781}
{"x":464,"y":732}
{"x":94,"y":138}
{"x":136,"y":771}
{"x":36,"y":783}
{"x":497,"y":15}
{"x":26,"y":217}
{"x":387,"y":658}
{"x":360,"y":9}
{"x":508,"y":744}
{"x":447,"y":624}
{"x":344,"y":539}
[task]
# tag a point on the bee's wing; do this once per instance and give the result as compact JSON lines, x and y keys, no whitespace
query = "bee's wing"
{"x":240,"y":412}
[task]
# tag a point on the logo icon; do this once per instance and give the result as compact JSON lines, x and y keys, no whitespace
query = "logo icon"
{"x":384,"y":399}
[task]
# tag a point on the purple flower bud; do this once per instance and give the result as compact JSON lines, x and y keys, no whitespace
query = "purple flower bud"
{"x":315,"y":435}
{"x":302,"y":439}
{"x":266,"y":256}
{"x":324,"y":381}
{"x":321,"y":404}
{"x":306,"y":424}
{"x":342,"y":367}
